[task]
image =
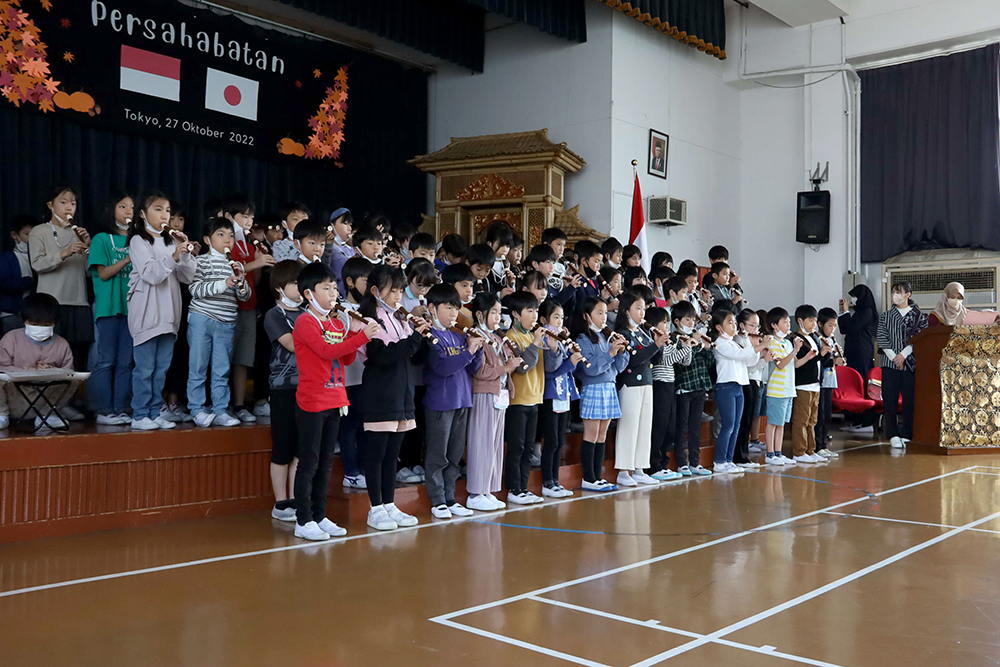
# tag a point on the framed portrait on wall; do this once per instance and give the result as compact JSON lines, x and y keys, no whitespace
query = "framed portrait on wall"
{"x":659,"y":143}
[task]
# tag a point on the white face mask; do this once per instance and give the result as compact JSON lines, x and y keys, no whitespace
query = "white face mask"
{"x":322,"y":311}
{"x":955,"y":303}
{"x":22,"y":247}
{"x":37,"y":333}
{"x":686,"y":330}
{"x":854,"y":300}
{"x":780,"y":334}
{"x":288,"y":303}
{"x":593,"y":327}
{"x":122,"y":227}
{"x":898,"y":299}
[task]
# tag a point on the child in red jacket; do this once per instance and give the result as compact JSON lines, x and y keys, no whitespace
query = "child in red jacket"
{"x":322,"y":347}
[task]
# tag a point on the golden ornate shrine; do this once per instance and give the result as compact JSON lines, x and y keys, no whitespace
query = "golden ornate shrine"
{"x":515,"y":177}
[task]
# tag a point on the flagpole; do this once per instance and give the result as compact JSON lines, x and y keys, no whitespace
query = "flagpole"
{"x":637,"y":226}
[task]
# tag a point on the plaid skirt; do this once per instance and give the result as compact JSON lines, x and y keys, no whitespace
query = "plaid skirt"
{"x":600,"y":401}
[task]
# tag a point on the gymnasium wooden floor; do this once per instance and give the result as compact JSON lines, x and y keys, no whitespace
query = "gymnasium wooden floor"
{"x":873,"y":559}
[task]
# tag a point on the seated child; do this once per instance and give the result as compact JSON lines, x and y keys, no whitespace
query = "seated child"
{"x":36,"y":346}
{"x":291,"y":215}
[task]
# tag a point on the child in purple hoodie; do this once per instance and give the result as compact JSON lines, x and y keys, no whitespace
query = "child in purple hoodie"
{"x":450,"y":365}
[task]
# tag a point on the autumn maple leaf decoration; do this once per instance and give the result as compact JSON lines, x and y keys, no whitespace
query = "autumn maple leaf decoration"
{"x":327,"y":123}
{"x":24,"y":68}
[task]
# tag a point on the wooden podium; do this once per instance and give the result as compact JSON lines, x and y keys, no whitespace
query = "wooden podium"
{"x":927,"y":348}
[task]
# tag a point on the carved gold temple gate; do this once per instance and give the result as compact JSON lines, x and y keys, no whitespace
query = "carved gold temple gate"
{"x":515,"y":177}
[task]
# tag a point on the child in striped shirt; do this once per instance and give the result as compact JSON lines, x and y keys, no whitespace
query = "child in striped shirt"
{"x":781,"y":387}
{"x":219,"y":283}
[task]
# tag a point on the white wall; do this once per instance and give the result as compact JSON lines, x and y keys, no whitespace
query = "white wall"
{"x":532,"y":80}
{"x":661,"y":84}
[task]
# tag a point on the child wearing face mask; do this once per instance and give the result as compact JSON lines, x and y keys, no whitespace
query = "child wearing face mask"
{"x":560,"y":391}
{"x":16,"y":278}
{"x":491,"y":393}
{"x":291,"y":215}
{"x":110,"y":268}
{"x":598,"y":398}
{"x":420,"y":277}
{"x":805,"y":405}
{"x":35,"y":347}
{"x":160,"y":262}
{"x":896,"y":327}
{"x":692,"y":383}
{"x":58,"y":252}
{"x":388,"y":409}
{"x":322,"y":346}
{"x":279,"y":325}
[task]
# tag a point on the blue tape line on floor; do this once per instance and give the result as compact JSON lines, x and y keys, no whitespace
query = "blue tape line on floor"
{"x":554,"y":530}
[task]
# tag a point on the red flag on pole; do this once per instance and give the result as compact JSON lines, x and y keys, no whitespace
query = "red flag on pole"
{"x":637,"y":233}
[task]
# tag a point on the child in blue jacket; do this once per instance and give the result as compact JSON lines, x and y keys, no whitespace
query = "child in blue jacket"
{"x":560,"y":390}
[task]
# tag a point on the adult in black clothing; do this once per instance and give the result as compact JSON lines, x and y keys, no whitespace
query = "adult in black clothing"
{"x":857,"y":322}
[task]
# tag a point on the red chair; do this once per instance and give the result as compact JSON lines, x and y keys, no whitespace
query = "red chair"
{"x":875,"y":389}
{"x":849,"y":396}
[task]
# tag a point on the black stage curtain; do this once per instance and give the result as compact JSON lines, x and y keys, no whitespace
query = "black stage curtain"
{"x":930,"y":155}
{"x":562,"y":18}
{"x":448,"y":29}
{"x":42,"y":150}
{"x":698,"y":23}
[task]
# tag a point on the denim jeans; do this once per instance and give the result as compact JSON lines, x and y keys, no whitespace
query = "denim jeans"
{"x":112,"y":371}
{"x":729,"y":400}
{"x":208,"y":340}
{"x":152,"y":359}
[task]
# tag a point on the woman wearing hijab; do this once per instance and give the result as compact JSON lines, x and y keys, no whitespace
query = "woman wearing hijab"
{"x":857,"y":321}
{"x":950,"y":308}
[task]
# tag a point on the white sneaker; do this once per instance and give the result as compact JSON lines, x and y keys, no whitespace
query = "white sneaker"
{"x":895,"y":442}
{"x":181,"y":414}
{"x":283,"y":515}
{"x":109,"y":420}
{"x":804,"y":458}
{"x":441,"y":512}
{"x":497,"y":503}
{"x":331,"y":529}
{"x":4,"y":421}
{"x":859,"y":429}
{"x":263,"y":409}
{"x":828,"y":454}
{"x":144,"y":424}
{"x":165,"y":424}
{"x":225,"y":419}
{"x":379,"y":519}
{"x":520,"y":499}
{"x":245,"y":416}
{"x":534,"y":499}
{"x":419,"y":470}
{"x":563,"y":491}
{"x":204,"y":419}
{"x":788,"y":461}
{"x":625,"y":479}
{"x":71,"y":413}
{"x":722,"y":468}
{"x":407,"y":476}
{"x":458,"y":510}
{"x":356,"y":482}
{"x":700,"y":470}
{"x":774,"y":460}
{"x":641,"y":477}
{"x":819,"y":458}
{"x":52,"y":423}
{"x":481,"y":503}
{"x":398,"y":516}
{"x":550,"y":492}
{"x":749,"y":466}
{"x":311,"y":531}
{"x":685,"y":471}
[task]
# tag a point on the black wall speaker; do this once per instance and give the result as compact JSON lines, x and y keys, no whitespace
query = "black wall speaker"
{"x":812,"y":217}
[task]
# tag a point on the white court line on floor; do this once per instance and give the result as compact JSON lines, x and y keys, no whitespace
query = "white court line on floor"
{"x":681,"y":552}
{"x":517,"y":642}
{"x":851,"y":449}
{"x":655,"y":625}
{"x":914,"y":523}
{"x":980,"y":472}
{"x":805,"y":597}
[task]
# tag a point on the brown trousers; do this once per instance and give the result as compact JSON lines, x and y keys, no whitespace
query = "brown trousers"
{"x":805,"y":412}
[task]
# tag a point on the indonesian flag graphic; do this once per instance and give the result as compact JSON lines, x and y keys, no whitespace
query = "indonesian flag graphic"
{"x":151,"y":73}
{"x":231,"y":94}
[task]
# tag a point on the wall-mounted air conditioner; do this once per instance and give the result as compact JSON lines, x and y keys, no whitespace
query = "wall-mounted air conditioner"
{"x":928,"y":272}
{"x":667,"y":211}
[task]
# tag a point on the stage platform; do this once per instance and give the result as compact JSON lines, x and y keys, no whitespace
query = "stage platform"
{"x":96,"y":478}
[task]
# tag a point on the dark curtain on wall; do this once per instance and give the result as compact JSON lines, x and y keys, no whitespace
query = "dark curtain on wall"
{"x":700,"y":24}
{"x":41,"y":150}
{"x":562,"y":18}
{"x":930,"y":155}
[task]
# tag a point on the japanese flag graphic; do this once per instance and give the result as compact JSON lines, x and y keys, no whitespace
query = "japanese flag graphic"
{"x":231,"y":94}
